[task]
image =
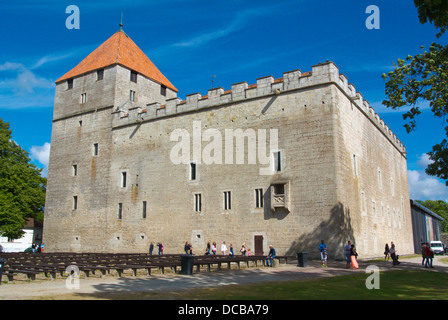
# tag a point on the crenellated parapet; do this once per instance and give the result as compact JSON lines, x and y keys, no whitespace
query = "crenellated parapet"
{"x":321,"y":74}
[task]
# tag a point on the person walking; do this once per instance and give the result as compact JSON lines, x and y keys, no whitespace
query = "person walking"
{"x":394,"y":255}
{"x":348,"y":248}
{"x":160,"y":246}
{"x":214,"y":248}
{"x":151,"y":248}
{"x":386,"y":252}
{"x":271,"y":256}
{"x":423,"y":253}
{"x":323,"y":253}
{"x":353,"y":257}
{"x":429,"y":256}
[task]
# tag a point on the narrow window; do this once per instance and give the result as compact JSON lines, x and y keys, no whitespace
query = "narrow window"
{"x":120,"y":211}
{"x":132,"y":95}
{"x":80,"y":123}
{"x":197,"y":202}
{"x":163,"y":90}
{"x":227,"y":200}
{"x":123,"y":179}
{"x":258,"y":198}
{"x":100,"y":74}
{"x":84,"y":97}
{"x":355,"y":165}
{"x":392,"y":187}
{"x":69,"y":84}
{"x":75,"y":170}
{"x":133,"y":76}
{"x":380,"y":182}
{"x":144,"y":210}
{"x":75,"y":202}
{"x":363,"y":201}
{"x":192,"y":171}
{"x":95,"y":149}
{"x":277,"y":161}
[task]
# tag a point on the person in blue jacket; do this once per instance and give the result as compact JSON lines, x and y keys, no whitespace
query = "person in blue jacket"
{"x":271,"y":256}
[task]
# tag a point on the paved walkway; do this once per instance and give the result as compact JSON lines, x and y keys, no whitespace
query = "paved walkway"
{"x":175,"y":282}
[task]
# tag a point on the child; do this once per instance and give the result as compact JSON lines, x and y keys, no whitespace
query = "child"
{"x":248,"y":252}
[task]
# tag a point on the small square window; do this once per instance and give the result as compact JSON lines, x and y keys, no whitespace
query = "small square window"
{"x":69,"y":84}
{"x":163,"y":90}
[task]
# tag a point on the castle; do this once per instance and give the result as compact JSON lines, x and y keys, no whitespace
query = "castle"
{"x":131,"y":163}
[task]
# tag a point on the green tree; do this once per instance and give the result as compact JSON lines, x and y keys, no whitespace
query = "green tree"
{"x":424,"y":78}
{"x":22,"y":188}
{"x":440,"y":208}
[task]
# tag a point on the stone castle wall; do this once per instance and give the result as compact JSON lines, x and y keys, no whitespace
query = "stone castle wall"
{"x":321,"y":121}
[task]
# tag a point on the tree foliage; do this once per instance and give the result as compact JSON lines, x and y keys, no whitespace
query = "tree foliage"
{"x":421,"y":79}
{"x":440,"y":208}
{"x":22,"y":188}
{"x":434,"y":11}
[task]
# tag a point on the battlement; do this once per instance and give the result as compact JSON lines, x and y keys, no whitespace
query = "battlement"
{"x":321,"y":74}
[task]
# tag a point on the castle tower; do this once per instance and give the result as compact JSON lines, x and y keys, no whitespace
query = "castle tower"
{"x":115,"y":76}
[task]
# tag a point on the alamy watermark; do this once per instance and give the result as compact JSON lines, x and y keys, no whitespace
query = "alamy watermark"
{"x":73,"y":20}
{"x":72,"y":281}
{"x":373,"y":280}
{"x":216,"y":150}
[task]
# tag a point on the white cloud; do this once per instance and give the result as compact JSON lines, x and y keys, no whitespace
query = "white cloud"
{"x":21,"y":88}
{"x":41,"y":154}
{"x":423,"y":187}
{"x":423,"y":161}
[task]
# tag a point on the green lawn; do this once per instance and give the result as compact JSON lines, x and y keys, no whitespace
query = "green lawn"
{"x":418,"y":285}
{"x":394,"y":285}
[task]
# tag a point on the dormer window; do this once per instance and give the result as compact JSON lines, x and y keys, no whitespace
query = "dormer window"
{"x":133,"y":76}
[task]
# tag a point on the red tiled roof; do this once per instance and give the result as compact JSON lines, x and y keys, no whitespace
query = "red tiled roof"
{"x":119,"y":49}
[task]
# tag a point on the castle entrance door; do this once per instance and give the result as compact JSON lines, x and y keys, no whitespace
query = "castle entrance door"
{"x":258,"y":241}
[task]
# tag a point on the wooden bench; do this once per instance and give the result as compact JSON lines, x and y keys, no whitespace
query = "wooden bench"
{"x":30,"y":274}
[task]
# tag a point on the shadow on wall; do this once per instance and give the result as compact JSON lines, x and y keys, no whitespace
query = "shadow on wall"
{"x":335,"y":231}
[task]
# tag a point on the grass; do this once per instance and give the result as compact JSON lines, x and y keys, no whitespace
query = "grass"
{"x":394,"y":285}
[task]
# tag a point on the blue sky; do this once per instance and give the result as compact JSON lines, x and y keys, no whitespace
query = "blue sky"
{"x":234,"y":40}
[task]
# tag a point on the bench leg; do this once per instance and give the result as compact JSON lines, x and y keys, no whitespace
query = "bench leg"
{"x":120,"y":272}
{"x":134,"y":272}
